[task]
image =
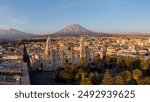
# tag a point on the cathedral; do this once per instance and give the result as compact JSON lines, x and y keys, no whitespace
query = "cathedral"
{"x":54,"y":55}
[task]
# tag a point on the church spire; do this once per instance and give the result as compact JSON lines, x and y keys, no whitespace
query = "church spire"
{"x":47,"y":47}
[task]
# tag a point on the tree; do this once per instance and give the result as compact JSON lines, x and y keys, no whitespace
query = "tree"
{"x":97,"y":58}
{"x":79,"y":74}
{"x":84,"y":62}
{"x":123,"y":64}
{"x":137,"y":73}
{"x":120,"y":63}
{"x":74,"y":66}
{"x":142,"y":58}
{"x":128,"y":62}
{"x":58,"y":70}
{"x":144,"y":65}
{"x":108,"y":58}
{"x":107,"y":79}
{"x":119,"y":60}
{"x":112,"y":62}
{"x":66,"y":75}
{"x":66,"y":65}
{"x":148,"y":61}
{"x":85,"y":80}
{"x":136,"y":63}
{"x":144,"y":81}
{"x":74,"y":70}
{"x":118,"y":80}
{"x":127,"y":76}
{"x":94,"y":78}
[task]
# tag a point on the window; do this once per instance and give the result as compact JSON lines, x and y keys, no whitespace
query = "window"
{"x":41,"y":65}
{"x":89,"y":59}
{"x":69,"y":48}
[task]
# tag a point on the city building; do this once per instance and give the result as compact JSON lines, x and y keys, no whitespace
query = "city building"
{"x":56,"y":54}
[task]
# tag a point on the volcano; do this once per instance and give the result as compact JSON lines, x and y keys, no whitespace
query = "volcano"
{"x":10,"y":33}
{"x":73,"y":30}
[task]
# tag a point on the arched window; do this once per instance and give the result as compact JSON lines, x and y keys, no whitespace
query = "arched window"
{"x":41,"y":65}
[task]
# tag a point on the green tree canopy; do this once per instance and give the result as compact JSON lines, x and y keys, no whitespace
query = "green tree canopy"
{"x":66,"y":65}
{"x":127,"y":76}
{"x":119,"y":60}
{"x":85,"y":80}
{"x":128,"y":62}
{"x":74,"y":68}
{"x":144,"y":65}
{"x":142,"y":58}
{"x":118,"y":80}
{"x":107,"y":58}
{"x":137,"y":73}
{"x":123,"y":64}
{"x":144,"y":81}
{"x":84,"y":62}
{"x":66,"y":75}
{"x":97,"y":58}
{"x":79,"y":74}
{"x":107,"y":79}
{"x":136,"y":63}
{"x":94,"y":78}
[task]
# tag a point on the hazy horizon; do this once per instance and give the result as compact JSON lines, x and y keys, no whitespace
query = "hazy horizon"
{"x":49,"y":16}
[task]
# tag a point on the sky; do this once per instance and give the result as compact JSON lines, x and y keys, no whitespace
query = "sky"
{"x":49,"y":16}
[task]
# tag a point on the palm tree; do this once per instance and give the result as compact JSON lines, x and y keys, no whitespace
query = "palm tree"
{"x":127,"y":76}
{"x":128,"y":62}
{"x":144,"y":65}
{"x":137,"y":73}
{"x":118,"y":80}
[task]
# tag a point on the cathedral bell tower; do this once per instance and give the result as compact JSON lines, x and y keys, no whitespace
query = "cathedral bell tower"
{"x":47,"y":50}
{"x":82,"y":48}
{"x":48,"y":54}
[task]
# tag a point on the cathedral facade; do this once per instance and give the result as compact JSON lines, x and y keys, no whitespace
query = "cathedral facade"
{"x":54,"y":56}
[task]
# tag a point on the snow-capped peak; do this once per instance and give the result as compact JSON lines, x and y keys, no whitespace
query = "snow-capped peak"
{"x":6,"y":28}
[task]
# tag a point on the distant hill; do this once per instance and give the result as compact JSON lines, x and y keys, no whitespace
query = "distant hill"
{"x":139,"y":34}
{"x":13,"y":34}
{"x":133,"y":34}
{"x":74,"y":30}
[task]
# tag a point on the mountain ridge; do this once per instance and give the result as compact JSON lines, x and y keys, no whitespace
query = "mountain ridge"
{"x":73,"y":30}
{"x":10,"y":33}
